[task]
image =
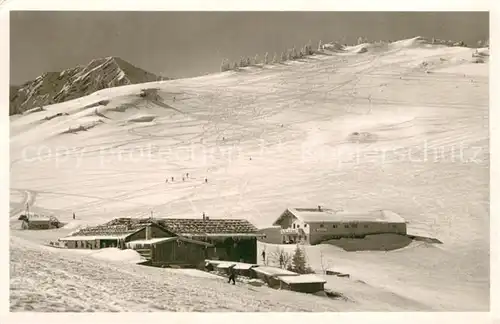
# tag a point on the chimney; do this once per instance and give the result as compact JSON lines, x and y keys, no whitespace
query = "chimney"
{"x":204,"y":217}
{"x":319,"y":207}
{"x":148,"y":232}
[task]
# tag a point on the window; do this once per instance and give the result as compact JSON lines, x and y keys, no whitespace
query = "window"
{"x":334,"y":226}
{"x":346,"y":226}
{"x":321,"y":225}
{"x":298,"y":226}
{"x":293,"y":225}
{"x":305,"y":225}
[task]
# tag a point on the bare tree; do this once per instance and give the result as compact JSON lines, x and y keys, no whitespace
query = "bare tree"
{"x":324,"y":265}
{"x":281,"y":257}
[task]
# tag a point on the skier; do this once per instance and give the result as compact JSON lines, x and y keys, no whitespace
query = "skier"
{"x":187,"y":175}
{"x":232,"y":274}
{"x":172,"y":179}
{"x":74,"y":217}
{"x":206,"y":180}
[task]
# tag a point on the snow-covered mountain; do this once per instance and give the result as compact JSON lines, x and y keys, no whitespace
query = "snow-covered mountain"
{"x":56,"y":87}
{"x":267,"y":138}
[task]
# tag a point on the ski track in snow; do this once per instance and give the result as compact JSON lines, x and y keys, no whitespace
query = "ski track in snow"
{"x":442,"y":192}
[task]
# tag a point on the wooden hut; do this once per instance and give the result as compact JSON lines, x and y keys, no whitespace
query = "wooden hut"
{"x":307,"y":283}
{"x":232,"y":239}
{"x":241,"y":269}
{"x":270,"y":275}
{"x":172,"y":251}
{"x":115,"y":233}
{"x":34,"y":221}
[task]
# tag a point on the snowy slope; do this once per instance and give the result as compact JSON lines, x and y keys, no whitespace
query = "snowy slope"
{"x":54,"y":87}
{"x":425,"y":108}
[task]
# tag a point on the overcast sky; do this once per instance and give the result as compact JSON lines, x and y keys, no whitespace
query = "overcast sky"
{"x":183,"y":44}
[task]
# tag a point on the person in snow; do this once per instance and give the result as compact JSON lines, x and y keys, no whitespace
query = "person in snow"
{"x":74,"y":217}
{"x":187,"y":175}
{"x":182,"y":178}
{"x":206,"y":180}
{"x":263,"y":256}
{"x":232,"y":274}
{"x":172,"y":179}
{"x":166,"y":180}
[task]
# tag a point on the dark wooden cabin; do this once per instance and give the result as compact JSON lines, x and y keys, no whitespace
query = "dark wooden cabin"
{"x":232,"y":239}
{"x":33,"y":221}
{"x":307,"y":283}
{"x":170,"y":251}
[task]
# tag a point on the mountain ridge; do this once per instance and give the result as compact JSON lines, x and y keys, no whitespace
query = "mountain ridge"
{"x":56,"y":87}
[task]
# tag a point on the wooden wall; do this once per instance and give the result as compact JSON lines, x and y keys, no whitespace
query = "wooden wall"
{"x":177,"y":252}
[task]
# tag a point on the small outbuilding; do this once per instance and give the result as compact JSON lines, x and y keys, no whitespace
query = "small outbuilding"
{"x":270,"y":275}
{"x":306,"y":283}
{"x":34,"y":221}
{"x":240,"y":268}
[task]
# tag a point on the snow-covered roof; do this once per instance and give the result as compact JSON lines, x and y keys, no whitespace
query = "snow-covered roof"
{"x":237,"y":265}
{"x":34,"y":217}
{"x":305,"y":278}
{"x":272,"y":271}
{"x":315,"y":215}
{"x":91,"y":238}
{"x":225,"y":265}
{"x":151,"y":241}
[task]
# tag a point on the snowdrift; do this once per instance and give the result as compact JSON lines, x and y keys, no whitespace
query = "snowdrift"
{"x":114,"y":254}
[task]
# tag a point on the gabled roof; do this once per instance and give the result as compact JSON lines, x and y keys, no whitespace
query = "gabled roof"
{"x":208,"y":227}
{"x":315,"y":215}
